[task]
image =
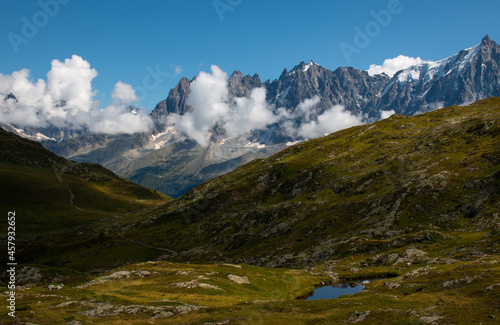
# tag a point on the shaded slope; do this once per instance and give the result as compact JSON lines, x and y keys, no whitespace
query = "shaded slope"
{"x":397,"y":181}
{"x":53,"y":196}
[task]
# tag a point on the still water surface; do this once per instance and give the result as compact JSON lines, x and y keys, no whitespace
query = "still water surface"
{"x":337,"y":290}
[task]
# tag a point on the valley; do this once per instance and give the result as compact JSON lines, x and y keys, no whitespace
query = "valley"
{"x":412,"y":200}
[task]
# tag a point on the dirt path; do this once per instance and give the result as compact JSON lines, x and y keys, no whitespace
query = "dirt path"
{"x":71,"y":194}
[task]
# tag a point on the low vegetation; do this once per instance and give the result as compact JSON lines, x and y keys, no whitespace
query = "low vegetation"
{"x":410,"y":201}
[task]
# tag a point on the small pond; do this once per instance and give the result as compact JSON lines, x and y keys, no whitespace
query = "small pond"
{"x":338,"y":289}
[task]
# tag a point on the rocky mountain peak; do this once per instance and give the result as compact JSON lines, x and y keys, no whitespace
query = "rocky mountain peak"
{"x":237,"y":74}
{"x":175,"y":103}
{"x":489,"y":49}
{"x":486,"y":40}
{"x":305,"y":68}
{"x":241,"y":86}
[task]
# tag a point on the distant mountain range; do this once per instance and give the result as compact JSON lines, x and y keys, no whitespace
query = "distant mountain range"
{"x":173,"y":164}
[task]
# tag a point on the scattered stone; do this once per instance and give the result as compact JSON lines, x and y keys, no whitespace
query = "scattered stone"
{"x":415,"y":253}
{"x":195,"y":284}
{"x":418,"y":272}
{"x":159,"y":312}
{"x":101,"y":310}
{"x":115,"y":276}
{"x":133,"y":310}
{"x":492,"y":287}
{"x":164,"y":314}
{"x":392,"y":258}
{"x":28,"y":275}
{"x":465,"y":279}
{"x":179,"y":310}
{"x":392,"y":285}
{"x":218,"y":323}
{"x":233,"y":265}
{"x":65,"y":304}
{"x":359,"y":317}
{"x":430,"y":319}
{"x":335,"y":276}
{"x":55,"y":286}
{"x":74,"y":322}
{"x":238,"y":279}
{"x":410,"y":256}
{"x":141,"y":274}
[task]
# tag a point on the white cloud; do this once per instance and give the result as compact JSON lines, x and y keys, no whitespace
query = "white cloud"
{"x":386,"y":114}
{"x":308,"y":104}
{"x":118,"y":117}
{"x":178,"y":70}
{"x":305,"y":123}
{"x":209,"y":99}
{"x":124,"y":93}
{"x":391,"y":66}
{"x":71,"y":81}
{"x":436,"y":105}
{"x":252,"y":113}
{"x":334,"y":119}
{"x":66,"y":100}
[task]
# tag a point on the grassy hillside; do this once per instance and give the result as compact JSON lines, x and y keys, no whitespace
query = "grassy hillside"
{"x":53,"y":197}
{"x":411,"y":200}
{"x":364,"y":189}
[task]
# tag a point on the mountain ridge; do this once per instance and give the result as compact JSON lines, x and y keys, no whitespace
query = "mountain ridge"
{"x":145,"y":158}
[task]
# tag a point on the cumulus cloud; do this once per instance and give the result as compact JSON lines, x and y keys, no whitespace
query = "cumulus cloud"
{"x":386,"y":114}
{"x":391,"y":66}
{"x":211,"y":105}
{"x":252,"y":113}
{"x":65,"y":100}
{"x":208,"y":98}
{"x":124,"y":93}
{"x":71,"y":81}
{"x":304,"y":122}
{"x":334,"y":119}
{"x":306,"y":105}
{"x":120,"y":117}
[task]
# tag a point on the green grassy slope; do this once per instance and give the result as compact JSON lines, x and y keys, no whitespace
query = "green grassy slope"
{"x":52,"y":196}
{"x":363,"y":189}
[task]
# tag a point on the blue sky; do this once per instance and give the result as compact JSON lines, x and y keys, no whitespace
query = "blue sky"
{"x":125,"y":40}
